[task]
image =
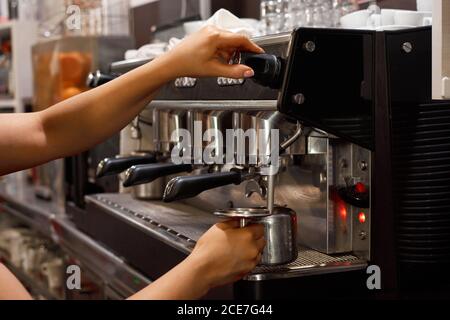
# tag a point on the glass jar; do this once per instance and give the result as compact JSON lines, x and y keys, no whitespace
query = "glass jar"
{"x":84,"y":18}
{"x":102,"y":17}
{"x":271,"y":16}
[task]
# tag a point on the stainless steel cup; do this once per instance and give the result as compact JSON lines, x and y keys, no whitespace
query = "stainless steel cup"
{"x":280,"y":231}
{"x":281,"y":237}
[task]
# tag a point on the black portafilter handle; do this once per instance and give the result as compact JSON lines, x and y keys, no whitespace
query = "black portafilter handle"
{"x":97,"y":79}
{"x":115,"y":166}
{"x":182,"y":188}
{"x":142,"y":174}
{"x":268,"y":68}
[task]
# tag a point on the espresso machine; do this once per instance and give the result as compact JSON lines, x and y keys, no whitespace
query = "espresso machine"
{"x":343,"y":111}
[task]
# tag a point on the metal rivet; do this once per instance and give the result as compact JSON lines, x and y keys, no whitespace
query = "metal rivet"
{"x":299,"y":99}
{"x":363,"y":235}
{"x":407,"y":47}
{"x":363,"y":165}
{"x":310,"y":46}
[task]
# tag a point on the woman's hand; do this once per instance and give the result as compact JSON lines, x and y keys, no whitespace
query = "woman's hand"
{"x":207,"y":53}
{"x":227,"y":253}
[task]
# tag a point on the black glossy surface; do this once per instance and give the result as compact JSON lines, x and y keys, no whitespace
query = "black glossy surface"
{"x":336,"y":80}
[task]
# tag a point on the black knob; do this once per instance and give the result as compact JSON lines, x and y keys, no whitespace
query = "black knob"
{"x":352,"y":195}
{"x":268,"y":68}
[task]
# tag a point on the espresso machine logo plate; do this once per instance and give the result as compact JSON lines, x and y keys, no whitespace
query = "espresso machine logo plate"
{"x":185,"y":82}
{"x":227,"y":82}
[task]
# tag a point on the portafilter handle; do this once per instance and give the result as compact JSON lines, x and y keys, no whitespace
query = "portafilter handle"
{"x":117,"y":165}
{"x":142,"y":174}
{"x":182,"y":188}
{"x":97,"y":79}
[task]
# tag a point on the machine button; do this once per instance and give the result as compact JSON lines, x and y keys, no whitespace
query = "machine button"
{"x":360,"y":188}
{"x":357,"y":195}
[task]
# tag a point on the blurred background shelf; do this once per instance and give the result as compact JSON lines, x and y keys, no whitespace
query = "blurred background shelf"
{"x":7,"y":102}
{"x":16,"y":38}
{"x":37,"y":288}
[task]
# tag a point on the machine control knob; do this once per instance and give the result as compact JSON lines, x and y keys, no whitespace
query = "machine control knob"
{"x":268,"y":68}
{"x":357,"y":195}
{"x":360,"y":188}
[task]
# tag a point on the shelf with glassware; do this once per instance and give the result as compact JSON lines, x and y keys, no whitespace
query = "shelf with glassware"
{"x":16,"y":81}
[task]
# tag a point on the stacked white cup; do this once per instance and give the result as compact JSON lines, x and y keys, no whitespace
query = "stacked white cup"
{"x":390,"y":19}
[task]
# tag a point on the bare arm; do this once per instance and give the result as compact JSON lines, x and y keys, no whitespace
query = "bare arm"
{"x":224,"y":255}
{"x":10,"y":288}
{"x":77,"y":124}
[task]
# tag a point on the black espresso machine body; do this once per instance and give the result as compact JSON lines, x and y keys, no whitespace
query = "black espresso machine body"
{"x":374,"y":89}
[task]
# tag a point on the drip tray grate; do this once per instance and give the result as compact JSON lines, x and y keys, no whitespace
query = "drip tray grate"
{"x":309,"y":262}
{"x":309,"y":258}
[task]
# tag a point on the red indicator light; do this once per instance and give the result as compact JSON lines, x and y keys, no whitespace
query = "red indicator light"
{"x":343,"y":212}
{"x":362,"y":217}
{"x":360,"y":188}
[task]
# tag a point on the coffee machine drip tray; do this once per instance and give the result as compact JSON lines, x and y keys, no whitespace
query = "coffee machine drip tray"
{"x":178,"y":226}
{"x":309,"y":263}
